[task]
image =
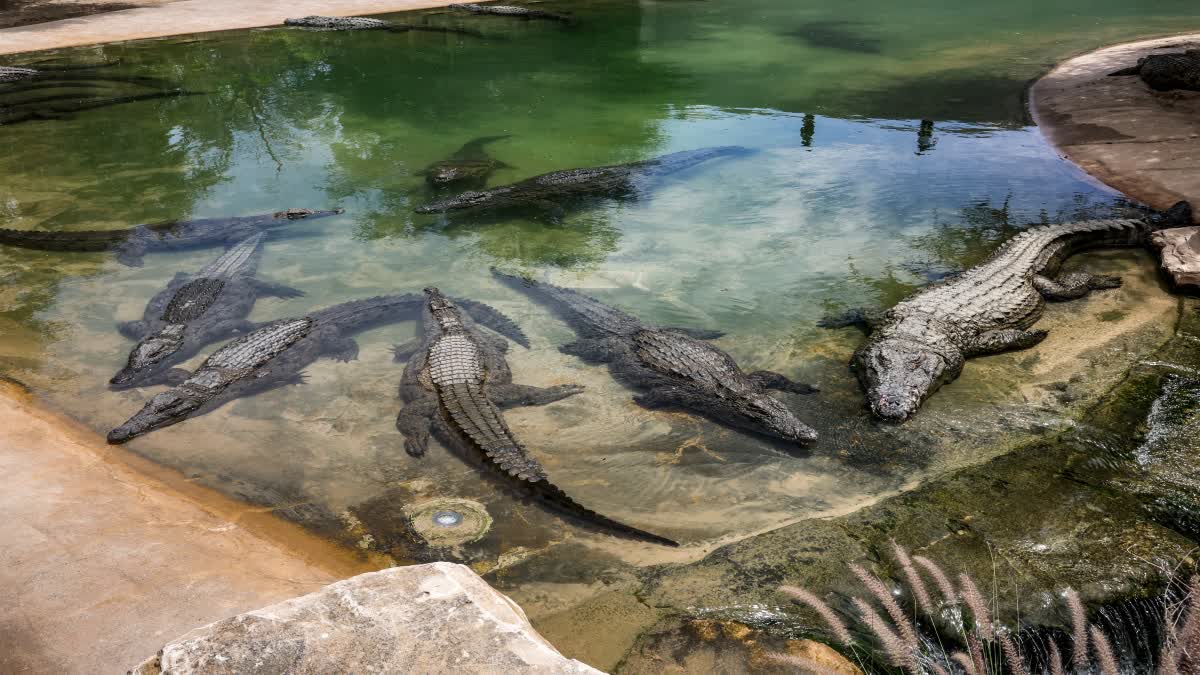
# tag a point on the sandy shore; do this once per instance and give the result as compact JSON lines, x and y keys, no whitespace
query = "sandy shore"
{"x":185,"y":17}
{"x":1144,"y":143}
{"x":105,"y":556}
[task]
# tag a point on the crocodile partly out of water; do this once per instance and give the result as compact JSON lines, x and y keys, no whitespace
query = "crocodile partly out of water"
{"x":454,"y":386}
{"x":340,"y":23}
{"x":269,"y":357}
{"x":195,"y":310}
{"x":132,"y":243}
{"x":672,"y":367}
{"x":16,"y":74}
{"x":469,"y":167}
{"x":549,"y":194}
{"x":1166,"y":72}
{"x":921,"y":343}
{"x":510,"y":10}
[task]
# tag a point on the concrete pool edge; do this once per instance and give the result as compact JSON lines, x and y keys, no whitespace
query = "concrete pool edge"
{"x":1118,"y":130}
{"x":186,"y":17}
{"x":121,"y":554}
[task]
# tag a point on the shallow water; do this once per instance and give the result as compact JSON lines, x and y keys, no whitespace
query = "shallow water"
{"x":891,"y":147}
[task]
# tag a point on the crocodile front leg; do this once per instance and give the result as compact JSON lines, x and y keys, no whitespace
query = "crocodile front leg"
{"x":131,"y":254}
{"x":771,"y":380}
{"x":266,"y":289}
{"x":134,"y":330}
{"x":1011,"y":339}
{"x":1074,"y":285}
{"x":337,"y":347}
{"x":415,"y":422}
{"x":405,"y":350}
{"x":514,"y":395}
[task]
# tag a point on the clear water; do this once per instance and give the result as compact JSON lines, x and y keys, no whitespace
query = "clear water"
{"x":891,"y":147}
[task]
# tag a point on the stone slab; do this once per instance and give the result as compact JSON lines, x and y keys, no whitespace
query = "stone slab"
{"x":435,"y":618}
{"x":1179,"y":250}
{"x":1145,"y":144}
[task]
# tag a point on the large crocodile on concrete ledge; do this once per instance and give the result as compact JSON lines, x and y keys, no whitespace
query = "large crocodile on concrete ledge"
{"x":272,"y":356}
{"x":1166,"y":72}
{"x":922,"y":343}
{"x":454,"y":386}
{"x":195,"y":310}
{"x":510,"y":10}
{"x":672,"y":367}
{"x":132,"y":243}
{"x":550,"y":194}
{"x":344,"y":23}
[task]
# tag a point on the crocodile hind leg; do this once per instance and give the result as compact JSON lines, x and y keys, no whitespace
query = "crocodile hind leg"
{"x":772,"y":380}
{"x":131,"y":255}
{"x":415,"y":422}
{"x":996,"y":341}
{"x":513,"y":395}
{"x":1074,"y":285}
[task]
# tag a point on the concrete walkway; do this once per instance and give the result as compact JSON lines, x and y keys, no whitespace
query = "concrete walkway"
{"x":185,"y":17}
{"x":1144,"y":143}
{"x":101,"y":563}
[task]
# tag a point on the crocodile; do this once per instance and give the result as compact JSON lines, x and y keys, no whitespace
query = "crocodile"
{"x":343,"y":23}
{"x":454,"y":387}
{"x":549,"y":193}
{"x":510,"y":10}
{"x":1165,"y":72}
{"x":672,"y":367}
{"x":469,"y":167}
{"x":195,"y":310}
{"x":922,"y":343}
{"x":131,"y":244}
{"x":16,"y":73}
{"x":272,"y":356}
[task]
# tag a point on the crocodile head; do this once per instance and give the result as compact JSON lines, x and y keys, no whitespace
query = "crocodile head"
{"x":147,"y":357}
{"x":167,"y":408}
{"x":765,"y":414}
{"x":463,"y":200}
{"x":899,"y":373}
{"x":297,"y":214}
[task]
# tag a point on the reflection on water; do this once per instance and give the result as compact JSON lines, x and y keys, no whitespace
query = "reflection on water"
{"x":891,"y":151}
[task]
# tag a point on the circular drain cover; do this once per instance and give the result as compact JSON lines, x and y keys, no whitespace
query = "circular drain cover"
{"x":448,"y":522}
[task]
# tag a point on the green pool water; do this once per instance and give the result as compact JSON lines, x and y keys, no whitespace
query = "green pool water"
{"x":891,"y":146}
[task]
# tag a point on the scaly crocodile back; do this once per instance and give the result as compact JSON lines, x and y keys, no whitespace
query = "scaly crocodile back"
{"x":999,"y":292}
{"x":1165,"y":72}
{"x":192,"y":300}
{"x":253,"y":350}
{"x":337,"y":23}
{"x":14,"y":73}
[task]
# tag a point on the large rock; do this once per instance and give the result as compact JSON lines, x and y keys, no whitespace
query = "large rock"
{"x":1179,"y":249}
{"x":436,"y":618}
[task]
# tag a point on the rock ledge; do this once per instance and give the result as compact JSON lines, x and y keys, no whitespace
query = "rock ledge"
{"x":436,"y":618}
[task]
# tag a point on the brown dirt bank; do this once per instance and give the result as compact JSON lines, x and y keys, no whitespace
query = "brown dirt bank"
{"x":104,"y":556}
{"x":159,"y":18}
{"x":1141,"y":142}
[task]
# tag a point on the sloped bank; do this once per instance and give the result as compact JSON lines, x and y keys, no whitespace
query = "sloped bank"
{"x":1142,"y":142}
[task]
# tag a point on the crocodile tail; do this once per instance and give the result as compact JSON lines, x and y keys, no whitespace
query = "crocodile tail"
{"x":478,"y":418}
{"x":586,"y":314}
{"x":486,"y":315}
{"x":552,"y":495}
{"x":87,"y":240}
{"x":358,"y":315}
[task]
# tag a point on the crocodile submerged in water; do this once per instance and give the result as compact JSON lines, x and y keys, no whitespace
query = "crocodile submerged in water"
{"x":269,"y":357}
{"x":513,"y":11}
{"x":195,"y":310}
{"x":454,"y":386}
{"x":671,"y":366}
{"x":922,"y":343}
{"x":343,"y":23}
{"x":16,"y":74}
{"x":1165,"y":72}
{"x":549,"y":193}
{"x":469,"y":167}
{"x":132,"y":243}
